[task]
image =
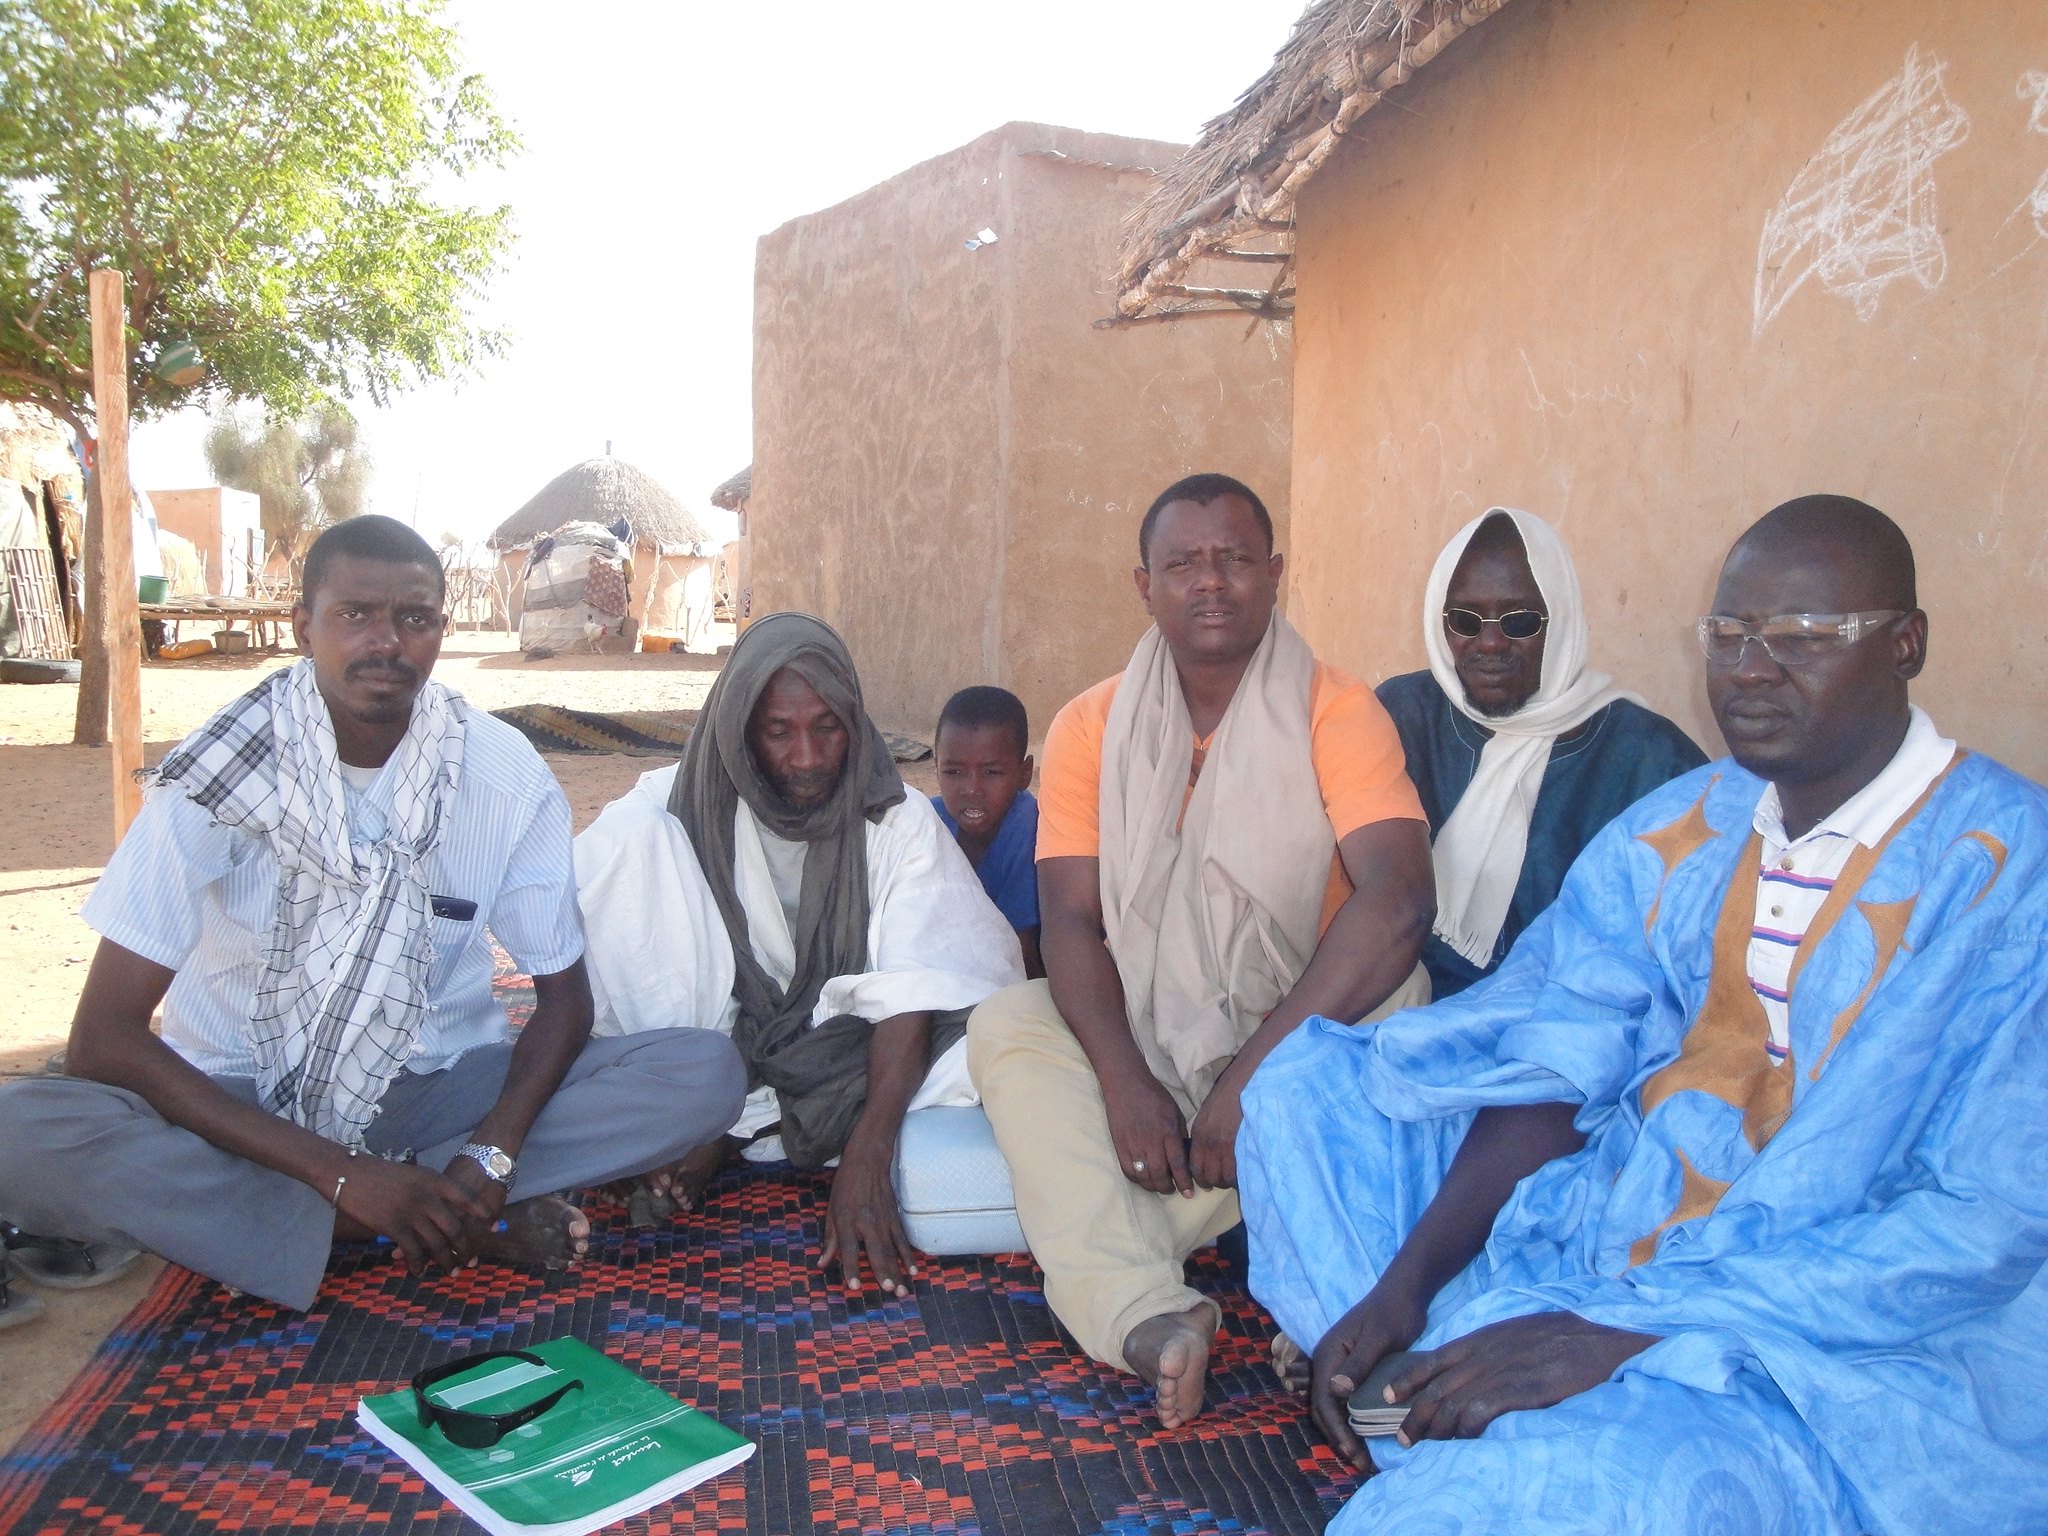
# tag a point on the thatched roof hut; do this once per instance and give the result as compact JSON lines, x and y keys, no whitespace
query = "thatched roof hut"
{"x":603,"y":490}
{"x":732,"y":494}
{"x":1227,"y":206}
{"x":34,"y":446}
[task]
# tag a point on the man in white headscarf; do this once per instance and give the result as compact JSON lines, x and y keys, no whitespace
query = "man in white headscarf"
{"x":1519,"y":750}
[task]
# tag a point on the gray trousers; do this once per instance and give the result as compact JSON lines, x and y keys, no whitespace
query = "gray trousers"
{"x":82,"y":1159}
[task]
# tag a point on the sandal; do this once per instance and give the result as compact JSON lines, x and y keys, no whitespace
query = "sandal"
{"x":64,"y":1263}
{"x":15,"y":1310}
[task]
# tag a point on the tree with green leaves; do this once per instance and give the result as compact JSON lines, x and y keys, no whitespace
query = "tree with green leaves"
{"x":272,"y":177}
{"x":307,"y":472}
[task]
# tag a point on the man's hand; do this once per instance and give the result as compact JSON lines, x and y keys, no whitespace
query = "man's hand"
{"x":469,"y":1173}
{"x":1145,"y":1123}
{"x":1150,"y":1133}
{"x":434,"y":1218}
{"x":1523,"y":1362}
{"x":862,"y":1213}
{"x":1213,"y":1159}
{"x":1388,"y":1319}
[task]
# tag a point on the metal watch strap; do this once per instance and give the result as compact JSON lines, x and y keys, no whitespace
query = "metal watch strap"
{"x":483,"y":1156}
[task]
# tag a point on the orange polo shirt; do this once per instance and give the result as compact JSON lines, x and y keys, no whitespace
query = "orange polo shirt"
{"x":1359,"y":766}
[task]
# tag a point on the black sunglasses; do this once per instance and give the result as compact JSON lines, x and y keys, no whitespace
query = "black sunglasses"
{"x":1519,"y":624}
{"x":479,"y":1431}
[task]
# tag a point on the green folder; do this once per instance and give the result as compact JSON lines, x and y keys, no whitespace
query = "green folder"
{"x":613,"y":1449}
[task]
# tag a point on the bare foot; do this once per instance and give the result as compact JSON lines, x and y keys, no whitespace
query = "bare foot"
{"x":546,"y":1232}
{"x":1291,"y":1365}
{"x":1171,"y":1352}
{"x":657,"y":1196}
{"x":647,"y":1206}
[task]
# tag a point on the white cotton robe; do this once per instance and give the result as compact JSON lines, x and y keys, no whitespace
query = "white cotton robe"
{"x":659,"y":956}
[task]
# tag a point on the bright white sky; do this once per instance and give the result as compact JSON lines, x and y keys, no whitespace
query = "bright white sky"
{"x":662,"y":138}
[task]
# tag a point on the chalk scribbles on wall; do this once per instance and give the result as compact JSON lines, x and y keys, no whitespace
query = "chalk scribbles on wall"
{"x":2033,"y":90}
{"x":1861,"y":213}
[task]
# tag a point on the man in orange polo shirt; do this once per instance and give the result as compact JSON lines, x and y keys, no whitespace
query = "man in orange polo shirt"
{"x":1227,"y":844}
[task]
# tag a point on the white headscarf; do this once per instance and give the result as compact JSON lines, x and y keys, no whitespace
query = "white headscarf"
{"x":1478,"y":854}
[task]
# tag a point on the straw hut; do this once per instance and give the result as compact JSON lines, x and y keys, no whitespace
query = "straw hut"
{"x":42,"y":497}
{"x":671,"y":550}
{"x":1645,"y":270}
{"x":733,"y":591}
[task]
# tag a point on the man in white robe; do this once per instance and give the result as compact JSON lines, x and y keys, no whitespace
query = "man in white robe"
{"x":780,"y":886}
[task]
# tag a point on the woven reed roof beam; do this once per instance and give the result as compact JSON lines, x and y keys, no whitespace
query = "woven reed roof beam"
{"x":732,"y":494}
{"x":1238,"y":183}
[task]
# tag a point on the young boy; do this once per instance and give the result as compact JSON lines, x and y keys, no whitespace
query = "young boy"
{"x":984,"y":762}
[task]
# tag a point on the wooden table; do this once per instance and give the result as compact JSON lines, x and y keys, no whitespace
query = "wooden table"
{"x":259,"y":616}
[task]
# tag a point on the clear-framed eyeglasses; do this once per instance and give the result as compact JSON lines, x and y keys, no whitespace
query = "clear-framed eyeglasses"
{"x":1789,"y":639}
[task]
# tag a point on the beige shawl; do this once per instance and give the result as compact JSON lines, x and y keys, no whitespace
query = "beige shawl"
{"x":1213,"y":916}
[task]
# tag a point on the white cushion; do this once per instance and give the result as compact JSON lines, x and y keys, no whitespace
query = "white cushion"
{"x":952,"y":1184}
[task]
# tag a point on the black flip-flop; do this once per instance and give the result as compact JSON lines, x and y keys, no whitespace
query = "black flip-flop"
{"x":64,"y":1263}
{"x":16,"y":1309}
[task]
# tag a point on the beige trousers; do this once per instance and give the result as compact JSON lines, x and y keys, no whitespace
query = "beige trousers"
{"x":1112,"y":1252}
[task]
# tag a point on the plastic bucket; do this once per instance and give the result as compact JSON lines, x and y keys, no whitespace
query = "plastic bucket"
{"x":153,"y":589}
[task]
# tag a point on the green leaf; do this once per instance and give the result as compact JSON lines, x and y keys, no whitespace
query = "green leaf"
{"x":273,"y":177}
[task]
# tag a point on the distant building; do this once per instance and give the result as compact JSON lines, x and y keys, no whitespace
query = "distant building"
{"x":950,"y":455}
{"x":226,"y":529}
{"x":1648,"y":270}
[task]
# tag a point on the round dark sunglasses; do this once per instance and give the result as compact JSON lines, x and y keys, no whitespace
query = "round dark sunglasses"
{"x":1518,"y":624}
{"x":480,"y":1431}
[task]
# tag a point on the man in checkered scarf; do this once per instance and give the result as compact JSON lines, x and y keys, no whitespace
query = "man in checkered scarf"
{"x":311,"y":891}
{"x":344,"y":982}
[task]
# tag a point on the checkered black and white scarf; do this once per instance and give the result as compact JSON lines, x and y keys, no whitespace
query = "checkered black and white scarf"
{"x":344,"y":984}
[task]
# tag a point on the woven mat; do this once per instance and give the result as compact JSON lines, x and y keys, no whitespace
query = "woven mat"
{"x":638,"y":733}
{"x":961,"y":1409}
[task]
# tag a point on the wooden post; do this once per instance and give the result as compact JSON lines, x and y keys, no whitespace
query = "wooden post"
{"x":116,"y":625}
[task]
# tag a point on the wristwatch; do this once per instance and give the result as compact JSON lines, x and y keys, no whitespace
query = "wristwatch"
{"x":496,"y":1162}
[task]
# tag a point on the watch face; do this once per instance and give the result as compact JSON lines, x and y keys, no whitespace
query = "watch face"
{"x":493,"y":1161}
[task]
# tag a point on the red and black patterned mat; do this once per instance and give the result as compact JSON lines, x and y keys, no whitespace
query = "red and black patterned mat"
{"x":962,"y":1409}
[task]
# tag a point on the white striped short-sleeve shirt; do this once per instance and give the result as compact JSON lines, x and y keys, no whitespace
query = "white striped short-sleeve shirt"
{"x":1799,"y":872}
{"x":198,"y":899}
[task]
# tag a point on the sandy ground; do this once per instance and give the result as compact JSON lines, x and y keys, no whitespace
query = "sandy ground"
{"x":58,"y":831}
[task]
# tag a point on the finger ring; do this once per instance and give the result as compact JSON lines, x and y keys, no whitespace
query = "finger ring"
{"x":1137,"y":1165}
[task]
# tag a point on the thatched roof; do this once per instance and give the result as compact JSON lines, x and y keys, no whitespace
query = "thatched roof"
{"x":34,"y":445}
{"x":732,"y":494}
{"x":1227,"y":206}
{"x":604,"y":490}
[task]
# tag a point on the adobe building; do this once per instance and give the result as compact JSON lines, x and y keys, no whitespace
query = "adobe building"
{"x":224,"y":526}
{"x":1647,"y":270}
{"x":950,"y":455}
